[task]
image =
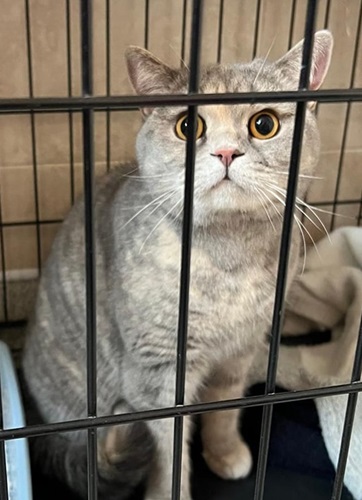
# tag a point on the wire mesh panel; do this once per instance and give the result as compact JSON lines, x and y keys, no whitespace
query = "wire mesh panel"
{"x":93,"y":112}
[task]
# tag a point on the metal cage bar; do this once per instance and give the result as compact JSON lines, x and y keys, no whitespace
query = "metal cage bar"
{"x":291,"y":25}
{"x":177,"y":411}
{"x":70,"y":93}
{"x":256,"y":29}
{"x":220,"y":31}
{"x":133,"y":102}
{"x":183,"y":31}
{"x":195,"y":54}
{"x":108,"y":83}
{"x":90,"y":259}
{"x":4,"y":493}
{"x":278,"y":314}
{"x":147,"y":24}
{"x":3,"y":266}
{"x":348,"y":115}
{"x":33,"y":133}
{"x":348,"y":421}
{"x":88,"y":105}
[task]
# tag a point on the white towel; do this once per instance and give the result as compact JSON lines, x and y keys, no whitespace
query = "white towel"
{"x":327,"y":296}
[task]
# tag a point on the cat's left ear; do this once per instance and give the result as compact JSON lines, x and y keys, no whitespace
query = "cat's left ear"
{"x":290,"y":64}
{"x":148,"y":75}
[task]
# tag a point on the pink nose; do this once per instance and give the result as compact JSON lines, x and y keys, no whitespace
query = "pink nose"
{"x":227,"y":156}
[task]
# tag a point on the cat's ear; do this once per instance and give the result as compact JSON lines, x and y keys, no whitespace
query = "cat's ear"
{"x":290,"y":63}
{"x":148,"y":75}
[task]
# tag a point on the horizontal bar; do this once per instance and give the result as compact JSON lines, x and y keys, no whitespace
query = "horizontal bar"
{"x":49,"y":104}
{"x":339,"y":202}
{"x":179,"y":411}
{"x":4,"y":325}
{"x":59,"y":221}
{"x":34,"y":222}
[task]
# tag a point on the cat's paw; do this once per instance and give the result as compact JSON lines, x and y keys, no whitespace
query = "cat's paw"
{"x":233,"y":465}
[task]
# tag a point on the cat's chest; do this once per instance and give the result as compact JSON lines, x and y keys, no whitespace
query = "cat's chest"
{"x":224,"y":298}
{"x":229,"y":310}
{"x":226,"y":292}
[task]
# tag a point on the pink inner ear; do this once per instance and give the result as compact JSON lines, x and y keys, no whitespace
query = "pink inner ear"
{"x":320,"y":67}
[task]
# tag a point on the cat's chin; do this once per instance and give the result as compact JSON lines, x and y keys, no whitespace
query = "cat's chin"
{"x":226,"y":198}
{"x":227,"y":195}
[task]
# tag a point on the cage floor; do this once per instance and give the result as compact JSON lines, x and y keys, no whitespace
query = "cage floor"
{"x":298,"y":467}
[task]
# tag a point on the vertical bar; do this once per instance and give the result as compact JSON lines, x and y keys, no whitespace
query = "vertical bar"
{"x":327,"y":15}
{"x":360,"y":213}
{"x":348,"y":421}
{"x":292,"y":22}
{"x":256,"y":29}
{"x":108,"y":83}
{"x":195,"y":54}
{"x":3,"y":476}
{"x":278,"y":313}
{"x":4,"y":493}
{"x":3,"y":267}
{"x":220,"y":31}
{"x":348,"y":115}
{"x":183,"y":31}
{"x":70,"y":113}
{"x":147,"y":23}
{"x":88,"y":148}
{"x":33,"y":136}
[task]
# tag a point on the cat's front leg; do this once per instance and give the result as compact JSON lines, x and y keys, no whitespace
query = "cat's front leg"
{"x":150,"y":388}
{"x":224,"y":450}
{"x":160,"y":481}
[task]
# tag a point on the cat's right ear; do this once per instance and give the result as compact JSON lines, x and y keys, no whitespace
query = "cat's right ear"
{"x":290,"y":64}
{"x":148,"y":75}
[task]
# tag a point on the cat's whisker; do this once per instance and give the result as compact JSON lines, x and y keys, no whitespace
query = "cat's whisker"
{"x":147,"y":206}
{"x":183,"y":62}
{"x":311,"y":238}
{"x":303,"y":225}
{"x":279,"y":214}
{"x":131,"y":171}
{"x":303,"y":176}
{"x":276,"y":196}
{"x":314,"y":209}
{"x":300,"y":227}
{"x":158,"y":224}
{"x":178,"y":214}
{"x":162,"y":202}
{"x":304,"y":244}
{"x":281,"y":191}
{"x":301,"y":202}
{"x":258,"y":194}
{"x":172,"y":175}
{"x":264,"y":62}
{"x":328,"y":212}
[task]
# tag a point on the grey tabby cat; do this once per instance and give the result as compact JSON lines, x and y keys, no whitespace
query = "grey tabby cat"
{"x":242,"y":161}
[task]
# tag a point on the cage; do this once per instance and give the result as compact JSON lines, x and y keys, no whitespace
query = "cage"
{"x":66,"y":115}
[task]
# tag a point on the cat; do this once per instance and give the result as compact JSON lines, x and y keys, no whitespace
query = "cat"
{"x":242,"y":160}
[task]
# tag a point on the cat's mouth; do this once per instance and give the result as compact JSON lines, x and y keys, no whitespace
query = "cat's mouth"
{"x":224,"y":181}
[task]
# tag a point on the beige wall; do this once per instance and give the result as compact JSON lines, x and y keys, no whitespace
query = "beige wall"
{"x":48,"y":34}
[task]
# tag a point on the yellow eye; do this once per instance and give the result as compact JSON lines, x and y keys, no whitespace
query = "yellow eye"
{"x":181,"y":128}
{"x":264,"y":125}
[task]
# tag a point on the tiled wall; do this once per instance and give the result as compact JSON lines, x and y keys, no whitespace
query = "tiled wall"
{"x":46,"y":138}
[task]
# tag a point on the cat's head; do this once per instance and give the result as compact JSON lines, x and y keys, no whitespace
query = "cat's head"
{"x":242,"y":151}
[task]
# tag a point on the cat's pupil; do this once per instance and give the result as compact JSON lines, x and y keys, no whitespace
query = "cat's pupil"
{"x":264,"y":124}
{"x":183,"y":127}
